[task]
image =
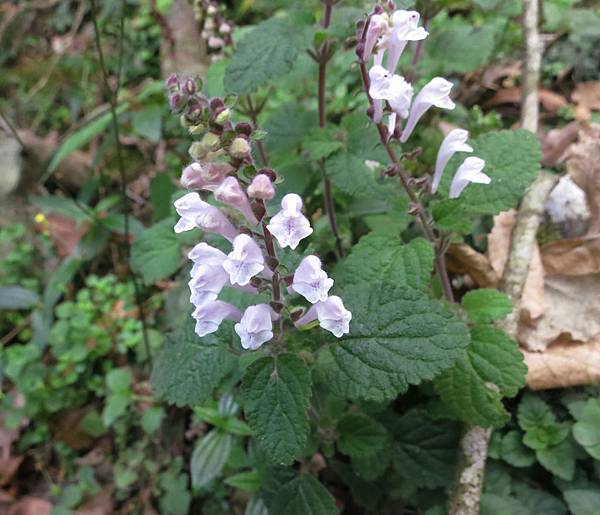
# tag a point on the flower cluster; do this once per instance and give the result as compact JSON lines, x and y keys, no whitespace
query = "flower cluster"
{"x":216,"y":29}
{"x":385,"y":36}
{"x":222,"y":164}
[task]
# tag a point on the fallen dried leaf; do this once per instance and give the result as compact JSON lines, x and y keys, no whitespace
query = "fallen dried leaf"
{"x":556,"y":142}
{"x":587,"y":94}
{"x":463,"y":259}
{"x":550,"y":101}
{"x":532,"y":299}
{"x":30,"y":506}
{"x":499,"y":240}
{"x":65,"y":233}
{"x":578,"y":256}
{"x":563,"y":365}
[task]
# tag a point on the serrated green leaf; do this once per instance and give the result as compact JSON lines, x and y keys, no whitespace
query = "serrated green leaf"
{"x":586,"y":430}
{"x":398,"y":337}
{"x":451,"y":216}
{"x":373,"y":466}
{"x":514,"y":452}
{"x":533,"y":412}
{"x":17,"y":297}
{"x":209,"y":457}
{"x":490,"y":368}
{"x":246,"y":481}
{"x":360,"y":436}
{"x":486,"y":305}
{"x":538,"y":501}
{"x":379,"y":258}
{"x":187,"y":368}
{"x":156,"y":253}
{"x":287,"y":127}
{"x":303,"y":495}
{"x":268,"y":51}
{"x":583,"y":502}
{"x":492,"y":504}
{"x":512,"y":160}
{"x":425,"y":449}
{"x":276,"y":393}
{"x":364,"y":493}
{"x":559,"y":459}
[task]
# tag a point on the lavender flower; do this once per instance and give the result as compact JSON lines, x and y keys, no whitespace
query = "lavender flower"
{"x":256,"y":326}
{"x":230,"y":192}
{"x":194,"y":212}
{"x":455,"y":141}
{"x":211,"y":314}
{"x":332,"y":316}
{"x":290,"y":226}
{"x":311,"y":281}
{"x":244,"y":261}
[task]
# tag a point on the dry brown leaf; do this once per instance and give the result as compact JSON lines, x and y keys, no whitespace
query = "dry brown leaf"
{"x":587,"y":94}
{"x":463,"y":259}
{"x":583,"y":165}
{"x":499,"y":240}
{"x":550,"y":101}
{"x":563,"y":365}
{"x":556,"y":142}
{"x":570,"y":311}
{"x":30,"y":506}
{"x":532,"y":299}
{"x":65,"y":233}
{"x":99,"y":504}
{"x":65,"y":427}
{"x":506,"y":70}
{"x":578,"y":256}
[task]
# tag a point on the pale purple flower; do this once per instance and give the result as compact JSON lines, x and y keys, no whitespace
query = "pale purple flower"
{"x":256,"y":326}
{"x":435,"y":93}
{"x":204,"y":176}
{"x":207,"y":282}
{"x":210,"y":314}
{"x":379,"y":25}
{"x":404,"y":29}
{"x":290,"y":226}
{"x":230,"y":192}
{"x":261,"y":187}
{"x":194,"y":212}
{"x":205,"y":254}
{"x":332,"y":316}
{"x":455,"y":141}
{"x":469,"y":171}
{"x":391,"y":87}
{"x":311,"y":281}
{"x":244,"y":261}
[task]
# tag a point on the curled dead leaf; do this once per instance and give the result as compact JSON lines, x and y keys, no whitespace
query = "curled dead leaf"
{"x":578,"y":256}
{"x":464,"y":259}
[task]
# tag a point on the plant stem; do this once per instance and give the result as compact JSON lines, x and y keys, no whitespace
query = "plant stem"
{"x":440,"y":260}
{"x":323,"y":57}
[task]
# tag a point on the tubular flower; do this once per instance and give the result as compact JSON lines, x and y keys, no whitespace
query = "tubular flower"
{"x":290,"y":226}
{"x":435,"y":93}
{"x":206,"y":283}
{"x":244,"y":261}
{"x":204,"y":176}
{"x":455,"y":141}
{"x":469,"y":171}
{"x":194,"y":212}
{"x":209,"y":316}
{"x":204,"y":254}
{"x":230,"y":192}
{"x":379,"y":26}
{"x":256,"y":326}
{"x":332,"y":316}
{"x":261,"y":187}
{"x":404,"y":29}
{"x":311,"y":281}
{"x":391,"y":87}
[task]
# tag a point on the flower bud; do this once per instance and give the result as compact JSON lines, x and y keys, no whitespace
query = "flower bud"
{"x":172,"y":83}
{"x":195,"y":130}
{"x":177,"y":102}
{"x":244,"y":128}
{"x":229,"y":192}
{"x":189,"y":87}
{"x":239,"y":148}
{"x":223,"y":117}
{"x":269,"y":172}
{"x":216,"y":103}
{"x":225,"y":28}
{"x":261,"y":187}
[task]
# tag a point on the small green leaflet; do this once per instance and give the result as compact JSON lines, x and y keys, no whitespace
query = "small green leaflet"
{"x":188,"y":368}
{"x":156,"y":254}
{"x":587,"y":429}
{"x":303,"y":495}
{"x":583,"y":502}
{"x":209,"y":457}
{"x":276,"y":394}
{"x":360,"y":436}
{"x":378,"y":258}
{"x":398,"y":337}
{"x":559,"y":459}
{"x":486,"y":305}
{"x":268,"y":51}
{"x":514,"y":452}
{"x":490,"y":368}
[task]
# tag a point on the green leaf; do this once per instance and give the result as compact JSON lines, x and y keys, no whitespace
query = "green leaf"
{"x":533,"y":412}
{"x":256,"y":506}
{"x":152,"y":419}
{"x":148,"y":122}
{"x":586,"y":430}
{"x":425,"y":449}
{"x":451,"y":216}
{"x":156,"y":253}
{"x":348,"y":168}
{"x":17,"y":297}
{"x":398,"y":337}
{"x":115,"y":407}
{"x":583,"y":502}
{"x":514,"y":452}
{"x":364,"y":493}
{"x":118,"y":380}
{"x":373,"y":466}
{"x":188,"y":368}
{"x":276,"y":393}
{"x":492,"y":504}
{"x":459,"y":46}
{"x":360,"y":436}
{"x":559,"y":459}
{"x":378,"y":258}
{"x":303,"y":495}
{"x":512,"y":160}
{"x":161,"y":191}
{"x":209,"y":457}
{"x":286,"y":128}
{"x":246,"y":481}
{"x":486,"y":305}
{"x":265,"y":53}
{"x":490,"y":368}
{"x":538,"y":501}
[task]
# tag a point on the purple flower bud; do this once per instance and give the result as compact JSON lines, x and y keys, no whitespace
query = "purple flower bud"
{"x":244,"y":128}
{"x":244,"y":261}
{"x":377,"y":9}
{"x":360,"y":51}
{"x":311,"y":281}
{"x":240,"y":148}
{"x":256,"y":326}
{"x":195,"y":212}
{"x":261,"y":187}
{"x":269,"y":172}
{"x":229,"y":192}
{"x":177,"y":102}
{"x":332,"y":315}
{"x":216,"y":103}
{"x":210,"y":315}
{"x":172,"y":83}
{"x":189,"y":87}
{"x":290,"y":226}
{"x":223,"y":116}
